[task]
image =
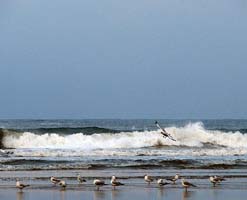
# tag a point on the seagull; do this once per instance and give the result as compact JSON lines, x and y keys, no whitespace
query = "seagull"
{"x":80,"y":179}
{"x":174,"y":179}
{"x":161,"y":182}
{"x":213,"y":180}
{"x":187,"y":184}
{"x":20,"y":185}
{"x":114,"y":182}
{"x":62,"y":184}
{"x":164,"y":133}
{"x":54,"y":180}
{"x":219,"y":178}
{"x":148,"y":179}
{"x":98,"y":183}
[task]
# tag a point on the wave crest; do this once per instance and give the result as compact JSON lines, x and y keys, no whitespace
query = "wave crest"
{"x":191,"y":135}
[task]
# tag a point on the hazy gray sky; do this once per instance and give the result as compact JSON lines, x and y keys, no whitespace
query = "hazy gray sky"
{"x":123,"y":59}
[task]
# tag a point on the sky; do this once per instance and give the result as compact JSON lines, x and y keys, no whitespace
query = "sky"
{"x":170,"y":59}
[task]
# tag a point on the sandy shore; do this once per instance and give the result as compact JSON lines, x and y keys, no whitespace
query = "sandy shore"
{"x":123,"y":193}
{"x":135,"y":188}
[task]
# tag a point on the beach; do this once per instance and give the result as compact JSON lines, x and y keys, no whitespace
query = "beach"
{"x":235,"y":186}
{"x":35,"y":150}
{"x":149,"y":92}
{"x":122,"y":194}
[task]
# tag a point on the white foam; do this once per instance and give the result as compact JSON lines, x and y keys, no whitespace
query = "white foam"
{"x":79,"y":140}
{"x":196,"y":135}
{"x":130,"y":153}
{"x":192,"y":135}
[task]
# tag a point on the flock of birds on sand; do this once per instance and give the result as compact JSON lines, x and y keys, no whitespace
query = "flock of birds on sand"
{"x":148,"y":179}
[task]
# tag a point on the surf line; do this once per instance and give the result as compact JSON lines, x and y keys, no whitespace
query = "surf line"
{"x":164,"y":133}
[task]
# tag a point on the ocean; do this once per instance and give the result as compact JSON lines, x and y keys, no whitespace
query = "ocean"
{"x":122,"y":144}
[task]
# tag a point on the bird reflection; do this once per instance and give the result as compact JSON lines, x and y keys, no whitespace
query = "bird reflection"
{"x":99,"y":195}
{"x":161,"y":192}
{"x":62,"y":194}
{"x":19,"y":195}
{"x":187,"y":194}
{"x":114,"y":194}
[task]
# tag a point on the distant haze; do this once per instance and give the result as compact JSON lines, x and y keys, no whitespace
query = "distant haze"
{"x":123,"y":59}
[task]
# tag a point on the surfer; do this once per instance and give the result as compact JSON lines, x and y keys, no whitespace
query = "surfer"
{"x":164,"y":133}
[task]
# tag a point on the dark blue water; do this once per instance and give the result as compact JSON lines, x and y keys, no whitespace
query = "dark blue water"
{"x":122,"y":124}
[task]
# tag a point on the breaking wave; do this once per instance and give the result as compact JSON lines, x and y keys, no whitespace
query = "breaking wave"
{"x":191,"y":135}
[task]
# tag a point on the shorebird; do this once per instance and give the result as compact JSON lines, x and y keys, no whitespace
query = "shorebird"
{"x":187,"y":184}
{"x":62,"y":184}
{"x":114,"y":182}
{"x":80,"y":179}
{"x":219,"y":178}
{"x":213,"y":180}
{"x":98,"y":183}
{"x":148,"y":179}
{"x":164,"y":132}
{"x":54,"y":180}
{"x":161,"y":182}
{"x":174,"y":179}
{"x":20,"y":185}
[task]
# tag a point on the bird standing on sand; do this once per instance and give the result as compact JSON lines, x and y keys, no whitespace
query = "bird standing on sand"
{"x":80,"y":179}
{"x":148,"y":179}
{"x":161,"y":182}
{"x":54,"y":180}
{"x":114,"y":182}
{"x":20,"y":185}
{"x":187,"y":184}
{"x":213,"y":180}
{"x":62,"y":184}
{"x":98,"y":183}
{"x":219,"y":178}
{"x":174,"y":179}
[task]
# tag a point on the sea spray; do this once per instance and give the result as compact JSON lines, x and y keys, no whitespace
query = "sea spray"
{"x":191,"y":135}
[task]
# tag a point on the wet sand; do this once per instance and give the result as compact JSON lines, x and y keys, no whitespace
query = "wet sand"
{"x":235,"y":187}
{"x":123,"y":193}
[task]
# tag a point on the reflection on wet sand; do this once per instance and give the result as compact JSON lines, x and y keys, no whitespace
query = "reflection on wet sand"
{"x":187,"y":194}
{"x":215,"y":193}
{"x":98,"y":195}
{"x":63,"y":195}
{"x":149,"y":192}
{"x":20,"y":195}
{"x":161,"y":192}
{"x":115,"y":194}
